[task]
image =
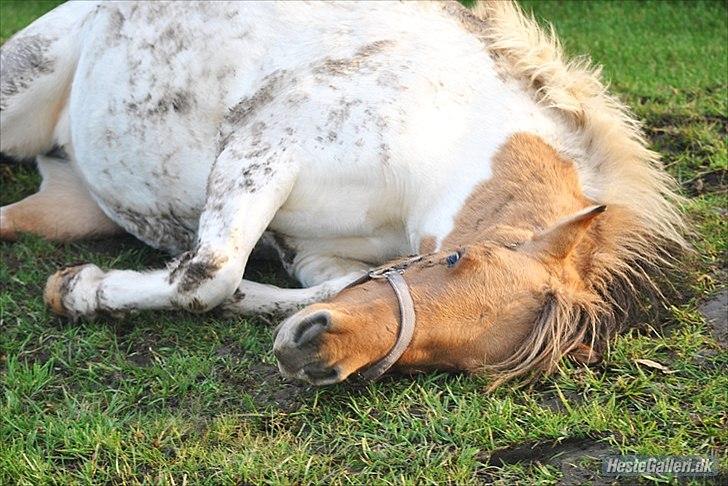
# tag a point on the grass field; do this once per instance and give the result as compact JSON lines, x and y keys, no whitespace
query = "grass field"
{"x":172,"y":398}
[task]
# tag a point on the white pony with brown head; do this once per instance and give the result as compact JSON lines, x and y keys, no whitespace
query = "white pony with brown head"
{"x":344,"y":135}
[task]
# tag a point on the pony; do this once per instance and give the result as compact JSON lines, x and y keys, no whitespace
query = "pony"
{"x":514,"y":204}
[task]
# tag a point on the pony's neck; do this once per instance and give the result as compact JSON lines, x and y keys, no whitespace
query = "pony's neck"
{"x":531,"y":188}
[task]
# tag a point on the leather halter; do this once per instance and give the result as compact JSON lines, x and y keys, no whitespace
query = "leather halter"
{"x":393,"y":274}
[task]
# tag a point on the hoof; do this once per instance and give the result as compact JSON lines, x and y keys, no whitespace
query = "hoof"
{"x":57,"y":287}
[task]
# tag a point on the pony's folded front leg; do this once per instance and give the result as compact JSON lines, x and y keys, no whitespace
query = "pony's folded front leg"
{"x":252,"y":298}
{"x":245,"y":189}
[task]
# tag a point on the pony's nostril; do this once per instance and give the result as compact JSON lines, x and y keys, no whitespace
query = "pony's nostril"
{"x":311,"y":326}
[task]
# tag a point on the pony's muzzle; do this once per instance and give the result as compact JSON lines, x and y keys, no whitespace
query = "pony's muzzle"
{"x":297,"y":346}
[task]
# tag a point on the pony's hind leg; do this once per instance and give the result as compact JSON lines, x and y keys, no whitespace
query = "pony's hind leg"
{"x":36,"y":72}
{"x":62,"y":210}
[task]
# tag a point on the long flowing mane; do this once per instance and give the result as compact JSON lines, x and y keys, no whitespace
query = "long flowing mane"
{"x":644,"y":231}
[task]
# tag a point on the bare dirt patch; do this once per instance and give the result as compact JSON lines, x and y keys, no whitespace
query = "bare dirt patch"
{"x":273,"y":391}
{"x":264,"y":384}
{"x":566,"y":455}
{"x":715,"y":312}
{"x":555,"y":403}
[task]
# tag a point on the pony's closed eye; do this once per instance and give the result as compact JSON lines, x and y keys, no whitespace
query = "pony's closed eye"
{"x":452,"y":259}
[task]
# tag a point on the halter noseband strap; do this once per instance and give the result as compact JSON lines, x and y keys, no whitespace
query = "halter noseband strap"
{"x":393,"y":275}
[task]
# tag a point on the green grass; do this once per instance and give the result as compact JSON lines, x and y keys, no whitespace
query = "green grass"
{"x":171,"y":398}
{"x":16,"y":14}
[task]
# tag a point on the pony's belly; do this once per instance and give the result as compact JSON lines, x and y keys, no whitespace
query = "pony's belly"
{"x":143,"y":119}
{"x":346,"y":210}
{"x":336,"y":233}
{"x":151,"y":201}
{"x":148,"y":175}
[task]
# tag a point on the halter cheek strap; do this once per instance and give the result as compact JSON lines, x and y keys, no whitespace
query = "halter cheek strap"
{"x":406,"y":326}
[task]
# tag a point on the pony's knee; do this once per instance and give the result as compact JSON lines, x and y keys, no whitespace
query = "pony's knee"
{"x":203,"y":280}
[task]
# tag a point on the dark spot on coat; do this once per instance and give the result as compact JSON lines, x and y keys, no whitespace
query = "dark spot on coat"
{"x":110,"y":137}
{"x":22,"y":60}
{"x":58,"y":152}
{"x":255,"y":175}
{"x":254,"y":154}
{"x":240,"y":113}
{"x":384,"y":153}
{"x":179,"y":102}
{"x":350,"y":65}
{"x":116,"y":25}
{"x":175,"y":101}
{"x":339,"y":115}
{"x":160,"y":228}
{"x":297,"y":98}
{"x":175,"y":36}
{"x":467,"y":19}
{"x":238,"y":296}
{"x":389,"y":79}
{"x":194,"y":305}
{"x":193,"y":268}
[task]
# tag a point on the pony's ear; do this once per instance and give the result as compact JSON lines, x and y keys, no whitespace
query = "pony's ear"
{"x":559,"y":240}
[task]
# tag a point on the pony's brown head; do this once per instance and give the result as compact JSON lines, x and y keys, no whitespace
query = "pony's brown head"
{"x":476,"y":306}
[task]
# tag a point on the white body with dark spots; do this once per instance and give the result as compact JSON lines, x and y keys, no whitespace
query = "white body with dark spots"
{"x":351,"y":131}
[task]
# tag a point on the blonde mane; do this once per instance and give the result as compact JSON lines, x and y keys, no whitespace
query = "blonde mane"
{"x":629,"y":173}
{"x":644,"y":229}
